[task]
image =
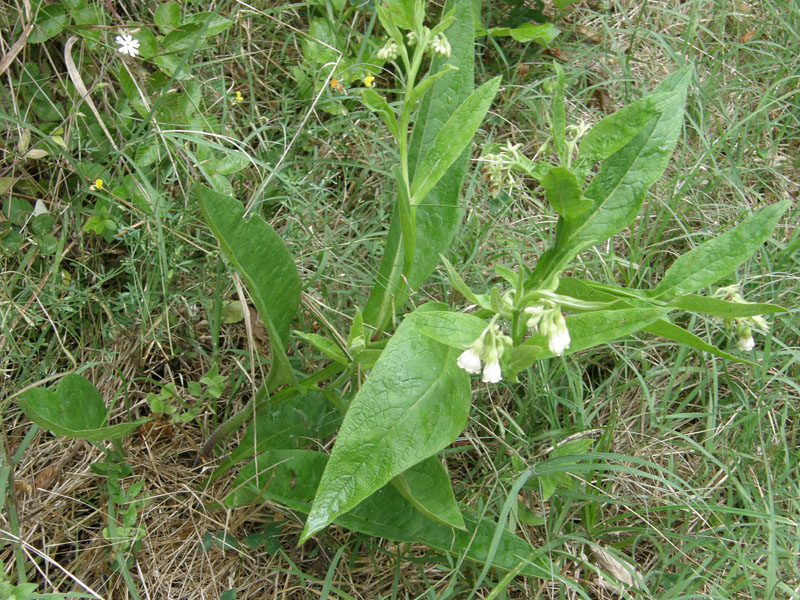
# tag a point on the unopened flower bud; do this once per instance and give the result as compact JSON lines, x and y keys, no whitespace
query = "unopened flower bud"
{"x":759,"y":322}
{"x":536,"y":313}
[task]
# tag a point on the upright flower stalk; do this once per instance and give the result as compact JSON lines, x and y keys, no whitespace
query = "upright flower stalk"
{"x":409,"y":56}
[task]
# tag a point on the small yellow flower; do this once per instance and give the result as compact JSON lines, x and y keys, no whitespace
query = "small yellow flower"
{"x":98,"y":184}
{"x":369,"y":81}
{"x":239,"y":97}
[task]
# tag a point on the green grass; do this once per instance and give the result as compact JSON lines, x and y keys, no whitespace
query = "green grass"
{"x":695,"y":477}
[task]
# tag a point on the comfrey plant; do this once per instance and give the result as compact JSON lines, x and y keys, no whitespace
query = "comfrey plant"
{"x":384,"y":475}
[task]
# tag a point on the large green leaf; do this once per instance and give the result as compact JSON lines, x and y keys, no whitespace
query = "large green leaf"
{"x":438,"y":218}
{"x":167,"y":16}
{"x":719,"y":256}
{"x":427,"y":487}
{"x":455,"y":135}
{"x":377,"y":103}
{"x":616,"y":130}
{"x":618,"y":189}
{"x":457,"y":330}
{"x":266,"y":266}
{"x":291,"y":477}
{"x":50,"y":21}
{"x":541,"y":34}
{"x":76,"y":409}
{"x":413,"y":404}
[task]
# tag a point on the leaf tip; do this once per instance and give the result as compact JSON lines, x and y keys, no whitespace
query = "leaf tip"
{"x":304,"y":537}
{"x":314,"y":524}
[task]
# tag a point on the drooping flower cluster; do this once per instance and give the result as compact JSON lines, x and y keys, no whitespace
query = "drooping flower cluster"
{"x":440,"y":45}
{"x":546,"y":318}
{"x":389,"y":51}
{"x":741,"y":326}
{"x":412,"y":39}
{"x":498,"y":167}
{"x":488,"y":348}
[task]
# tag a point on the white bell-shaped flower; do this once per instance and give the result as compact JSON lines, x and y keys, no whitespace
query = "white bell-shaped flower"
{"x":492,"y":373}
{"x":558,"y":339}
{"x":744,"y":335}
{"x":470,"y":361}
{"x":745,"y":344}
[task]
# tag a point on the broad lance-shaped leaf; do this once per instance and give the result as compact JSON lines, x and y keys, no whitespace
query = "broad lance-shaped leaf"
{"x":266,"y":266}
{"x":528,"y":32}
{"x":617,"y":129}
{"x":286,"y":425}
{"x":413,"y":404}
{"x":719,"y":256}
{"x":438,"y":218}
{"x":618,"y":189}
{"x":291,"y":477}
{"x":455,"y":135}
{"x":76,"y":409}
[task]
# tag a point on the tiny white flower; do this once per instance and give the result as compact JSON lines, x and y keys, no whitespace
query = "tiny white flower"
{"x":470,"y":361}
{"x":745,"y":344}
{"x":491,"y":372}
{"x":440,"y":45}
{"x":411,"y":38}
{"x":127,"y":44}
